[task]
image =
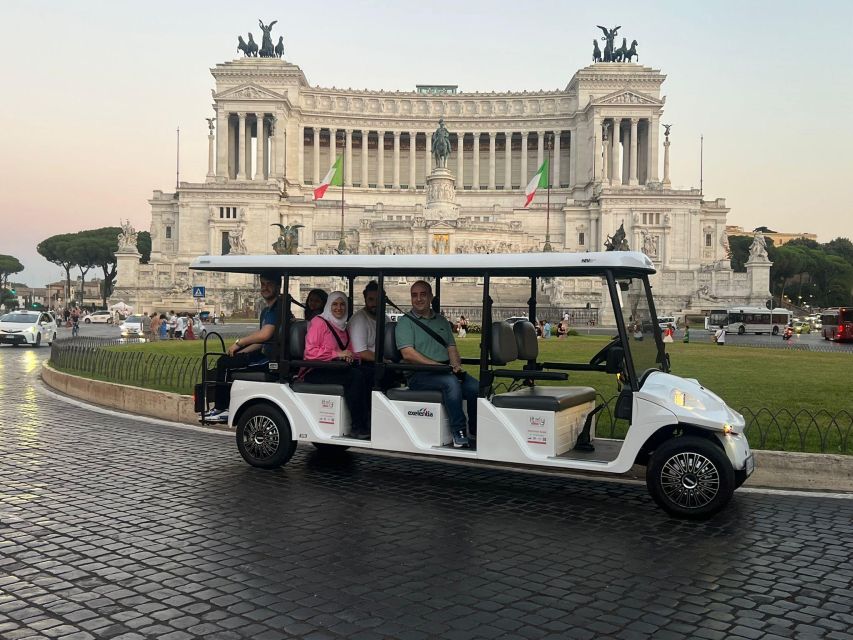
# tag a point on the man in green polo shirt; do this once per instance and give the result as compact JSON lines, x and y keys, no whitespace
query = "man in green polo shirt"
{"x":419,"y":347}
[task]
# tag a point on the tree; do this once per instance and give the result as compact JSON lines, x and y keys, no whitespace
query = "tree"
{"x":739,"y":246}
{"x":84,"y":256}
{"x":55,"y":249}
{"x":8,"y":266}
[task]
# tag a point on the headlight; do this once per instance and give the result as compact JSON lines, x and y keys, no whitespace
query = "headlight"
{"x":686,"y":400}
{"x":31,"y":329}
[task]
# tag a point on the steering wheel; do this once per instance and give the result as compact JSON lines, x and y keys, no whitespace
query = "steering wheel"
{"x":601,"y":357}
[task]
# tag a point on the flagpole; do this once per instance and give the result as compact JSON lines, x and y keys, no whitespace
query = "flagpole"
{"x":547,"y":246}
{"x":342,"y":244}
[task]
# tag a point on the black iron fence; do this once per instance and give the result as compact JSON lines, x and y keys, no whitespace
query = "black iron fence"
{"x":781,"y":430}
{"x":778,"y":430}
{"x":89,"y":358}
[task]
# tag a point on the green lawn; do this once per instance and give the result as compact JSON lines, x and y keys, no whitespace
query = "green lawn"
{"x":770,"y":386}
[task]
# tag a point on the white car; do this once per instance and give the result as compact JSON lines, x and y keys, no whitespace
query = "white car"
{"x":98,"y":316}
{"x":132,"y":327}
{"x":27,"y":327}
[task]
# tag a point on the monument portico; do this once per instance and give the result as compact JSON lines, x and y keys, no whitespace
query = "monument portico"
{"x":273,"y":136}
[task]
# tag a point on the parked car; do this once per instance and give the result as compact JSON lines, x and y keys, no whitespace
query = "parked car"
{"x":132,"y":327}
{"x":27,"y":327}
{"x":98,"y":316}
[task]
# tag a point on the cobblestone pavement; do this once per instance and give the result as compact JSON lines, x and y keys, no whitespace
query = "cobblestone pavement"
{"x":115,"y":528}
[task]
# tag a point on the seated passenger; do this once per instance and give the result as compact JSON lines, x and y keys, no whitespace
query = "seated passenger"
{"x":250,"y":352}
{"x":417,"y":346}
{"x":328,"y":339}
{"x":362,"y":330}
{"x":315,"y":303}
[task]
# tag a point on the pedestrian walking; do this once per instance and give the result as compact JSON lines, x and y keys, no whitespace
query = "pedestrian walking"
{"x":686,"y":338}
{"x":720,"y":336}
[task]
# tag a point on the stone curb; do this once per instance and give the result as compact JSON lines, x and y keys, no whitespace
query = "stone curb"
{"x":773,"y":469}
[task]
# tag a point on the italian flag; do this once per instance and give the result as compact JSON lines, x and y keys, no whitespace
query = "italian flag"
{"x":538,"y":180}
{"x":333,"y":178}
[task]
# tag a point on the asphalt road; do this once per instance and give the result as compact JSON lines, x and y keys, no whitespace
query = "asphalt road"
{"x":118,"y":527}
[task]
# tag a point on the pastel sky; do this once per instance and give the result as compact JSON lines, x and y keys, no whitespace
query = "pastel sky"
{"x":92,"y":92}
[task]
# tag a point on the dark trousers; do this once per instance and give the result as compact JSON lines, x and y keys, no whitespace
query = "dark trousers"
{"x":356,"y":390}
{"x":243,"y":362}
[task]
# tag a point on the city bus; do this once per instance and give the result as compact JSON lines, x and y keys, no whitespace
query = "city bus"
{"x":837,"y":324}
{"x":743,"y":320}
{"x":529,"y":412}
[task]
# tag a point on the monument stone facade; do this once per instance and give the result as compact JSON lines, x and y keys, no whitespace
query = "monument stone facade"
{"x":273,"y":136}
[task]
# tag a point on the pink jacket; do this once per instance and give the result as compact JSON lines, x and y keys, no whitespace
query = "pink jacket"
{"x":320,"y":344}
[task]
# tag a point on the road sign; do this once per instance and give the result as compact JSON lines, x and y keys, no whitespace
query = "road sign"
{"x":198,"y":292}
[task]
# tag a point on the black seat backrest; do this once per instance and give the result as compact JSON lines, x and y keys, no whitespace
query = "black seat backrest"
{"x":391,"y":352}
{"x":298,"y":329}
{"x":525,"y":340}
{"x":503,"y":348}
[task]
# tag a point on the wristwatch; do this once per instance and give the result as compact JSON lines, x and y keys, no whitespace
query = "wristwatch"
{"x":237,"y":342}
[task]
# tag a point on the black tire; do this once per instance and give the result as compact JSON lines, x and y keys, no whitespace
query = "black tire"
{"x":690,"y":477}
{"x":88,"y":321}
{"x":37,"y":343}
{"x":264,"y":438}
{"x":741,"y":330}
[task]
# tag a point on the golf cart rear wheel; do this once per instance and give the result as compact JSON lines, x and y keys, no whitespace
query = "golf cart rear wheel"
{"x":690,"y":477}
{"x":264,"y":438}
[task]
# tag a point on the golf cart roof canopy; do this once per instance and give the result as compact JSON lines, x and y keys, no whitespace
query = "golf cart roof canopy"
{"x":622,"y":263}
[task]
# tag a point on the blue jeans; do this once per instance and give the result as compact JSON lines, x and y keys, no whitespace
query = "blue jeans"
{"x":453,"y":392}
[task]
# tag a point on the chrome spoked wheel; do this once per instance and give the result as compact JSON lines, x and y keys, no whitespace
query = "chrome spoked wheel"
{"x":261,"y":437}
{"x":264,"y":438}
{"x":690,"y":480}
{"x":690,"y":477}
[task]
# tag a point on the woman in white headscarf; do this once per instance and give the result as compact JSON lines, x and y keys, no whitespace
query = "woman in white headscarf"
{"x":327,"y":340}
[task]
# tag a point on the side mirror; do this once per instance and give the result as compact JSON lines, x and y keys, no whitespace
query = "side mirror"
{"x":615,"y":356}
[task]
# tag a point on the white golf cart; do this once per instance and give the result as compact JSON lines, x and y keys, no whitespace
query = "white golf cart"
{"x":690,"y":441}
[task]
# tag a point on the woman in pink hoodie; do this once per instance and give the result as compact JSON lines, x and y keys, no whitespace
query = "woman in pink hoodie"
{"x":328,"y":339}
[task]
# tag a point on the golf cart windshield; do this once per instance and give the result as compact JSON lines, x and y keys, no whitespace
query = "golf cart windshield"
{"x":647,"y":350}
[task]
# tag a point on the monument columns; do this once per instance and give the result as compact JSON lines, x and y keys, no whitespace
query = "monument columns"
{"x":316,"y":180}
{"x":428,"y":154}
{"x":413,"y":156}
{"x":492,"y":160}
{"x":616,"y":134}
{"x":241,"y":152}
{"x":259,"y":146}
{"x":475,"y":183}
{"x":557,"y":158}
{"x":654,"y":128}
{"x":666,"y":181}
{"x":247,"y":149}
{"x":523,"y":180}
{"x":300,"y":158}
{"x":333,"y":148}
{"x":396,"y":183}
{"x":508,"y":160}
{"x":348,"y":158}
{"x":222,"y":142}
{"x":460,"y":160}
{"x":632,"y":172}
{"x":540,"y":148}
{"x":573,"y":157}
{"x":365,"y":138}
{"x":211,"y":153}
{"x":380,"y":159}
{"x":607,"y":143}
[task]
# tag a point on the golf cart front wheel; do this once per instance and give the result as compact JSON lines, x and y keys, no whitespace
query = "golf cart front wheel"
{"x":264,"y":438}
{"x":690,"y":477}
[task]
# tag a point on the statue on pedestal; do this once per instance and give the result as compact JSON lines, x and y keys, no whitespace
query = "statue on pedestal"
{"x":288,"y":241}
{"x":127,"y":237}
{"x":618,"y":241}
{"x":441,"y":145}
{"x":236,"y":244}
{"x":609,"y":37}
{"x":267,"y":49}
{"x":758,"y":248}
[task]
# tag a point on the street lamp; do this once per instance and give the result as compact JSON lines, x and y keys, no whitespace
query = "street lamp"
{"x":549,"y":138}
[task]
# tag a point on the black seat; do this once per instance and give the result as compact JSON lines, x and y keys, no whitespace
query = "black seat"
{"x":392,"y":353}
{"x":508,"y":344}
{"x":545,"y":398}
{"x":255,"y":376}
{"x":296,"y":343}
